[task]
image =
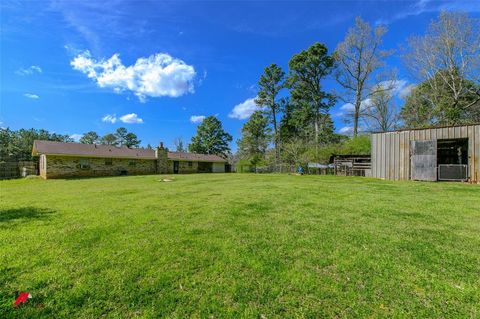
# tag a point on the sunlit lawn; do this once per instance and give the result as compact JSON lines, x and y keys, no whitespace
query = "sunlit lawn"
{"x":239,"y":245}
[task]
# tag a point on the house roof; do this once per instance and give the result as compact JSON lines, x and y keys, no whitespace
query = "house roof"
{"x":193,"y":157}
{"x":90,"y":150}
{"x":110,"y":151}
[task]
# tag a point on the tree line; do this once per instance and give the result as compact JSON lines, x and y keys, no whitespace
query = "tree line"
{"x":294,"y":108}
{"x":121,"y":137}
{"x":17,"y":145}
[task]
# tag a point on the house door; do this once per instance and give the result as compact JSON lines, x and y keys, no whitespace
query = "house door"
{"x":423,"y":160}
{"x":176,"y":166}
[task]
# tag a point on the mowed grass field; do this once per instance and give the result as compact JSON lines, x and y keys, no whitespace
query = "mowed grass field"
{"x":239,"y":246}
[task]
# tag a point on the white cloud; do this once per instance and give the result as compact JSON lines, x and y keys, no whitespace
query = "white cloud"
{"x":31,"y":96}
{"x":349,"y":107}
{"x":405,"y":91}
{"x":76,"y":137}
{"x":110,"y":118}
{"x":29,"y":71}
{"x":426,"y":6}
{"x":197,"y":118}
{"x":155,"y":76}
{"x":243,"y":110}
{"x":131,"y":118}
{"x":346,"y":130}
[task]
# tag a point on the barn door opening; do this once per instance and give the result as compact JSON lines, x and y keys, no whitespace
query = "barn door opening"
{"x":452,"y":159}
{"x":423,"y":160}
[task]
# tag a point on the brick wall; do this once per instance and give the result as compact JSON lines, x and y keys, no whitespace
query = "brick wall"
{"x":69,"y":166}
{"x":185,"y":167}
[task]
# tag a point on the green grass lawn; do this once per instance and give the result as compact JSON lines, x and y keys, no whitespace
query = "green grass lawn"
{"x":235,"y":245}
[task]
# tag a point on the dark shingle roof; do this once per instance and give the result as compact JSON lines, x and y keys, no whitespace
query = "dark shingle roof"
{"x":94,"y":150}
{"x":181,"y":156}
{"x":90,"y":150}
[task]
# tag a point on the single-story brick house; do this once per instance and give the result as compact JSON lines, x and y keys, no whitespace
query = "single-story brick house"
{"x":59,"y":160}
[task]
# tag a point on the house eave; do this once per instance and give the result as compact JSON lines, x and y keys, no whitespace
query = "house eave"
{"x":98,"y":156}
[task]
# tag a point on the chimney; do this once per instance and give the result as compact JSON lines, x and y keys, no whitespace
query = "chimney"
{"x":161,"y":153}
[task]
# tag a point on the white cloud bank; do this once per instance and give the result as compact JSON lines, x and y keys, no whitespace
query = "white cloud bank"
{"x":29,"y":71}
{"x":158,"y":75}
{"x":131,"y":118}
{"x":197,"y":118}
{"x":244,"y":110}
{"x":31,"y":96}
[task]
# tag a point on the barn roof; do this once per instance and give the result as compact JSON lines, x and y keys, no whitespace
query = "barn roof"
{"x":110,"y":151}
{"x":426,"y":128}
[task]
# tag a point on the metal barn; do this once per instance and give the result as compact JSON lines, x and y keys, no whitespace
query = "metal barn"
{"x":431,"y":154}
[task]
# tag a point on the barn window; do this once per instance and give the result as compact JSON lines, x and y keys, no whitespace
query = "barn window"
{"x":109,"y":162}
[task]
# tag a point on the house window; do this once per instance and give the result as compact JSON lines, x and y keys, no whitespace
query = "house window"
{"x":84,"y":163}
{"x":109,"y":162}
{"x":190,"y":164}
{"x":132,"y":163}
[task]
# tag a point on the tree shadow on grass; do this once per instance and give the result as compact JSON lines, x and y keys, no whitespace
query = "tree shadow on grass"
{"x":23,"y":214}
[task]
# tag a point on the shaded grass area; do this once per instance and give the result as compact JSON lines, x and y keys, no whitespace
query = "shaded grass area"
{"x":239,"y":245}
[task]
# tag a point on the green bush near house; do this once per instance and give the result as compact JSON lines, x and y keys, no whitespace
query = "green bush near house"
{"x":239,"y":245}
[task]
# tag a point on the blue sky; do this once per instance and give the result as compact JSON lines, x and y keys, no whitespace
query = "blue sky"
{"x":157,"y":68}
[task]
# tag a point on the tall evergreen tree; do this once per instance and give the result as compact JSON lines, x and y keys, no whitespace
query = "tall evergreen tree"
{"x":90,"y":137}
{"x":307,"y":71}
{"x":131,"y":140}
{"x":121,"y":135}
{"x":271,"y":82}
{"x":211,"y":138}
{"x":109,"y":139}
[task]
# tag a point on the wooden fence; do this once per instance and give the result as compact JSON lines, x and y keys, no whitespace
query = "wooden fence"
{"x":10,"y":170}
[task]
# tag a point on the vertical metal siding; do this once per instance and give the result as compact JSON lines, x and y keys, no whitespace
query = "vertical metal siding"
{"x":476,"y":154}
{"x":391,"y":150}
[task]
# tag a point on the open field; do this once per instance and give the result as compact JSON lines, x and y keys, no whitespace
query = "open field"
{"x":239,"y":246}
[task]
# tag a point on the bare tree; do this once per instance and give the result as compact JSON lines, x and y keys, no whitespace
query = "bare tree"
{"x":380,"y":112}
{"x":447,"y":60}
{"x":359,"y":58}
{"x":179,"y":145}
{"x":295,"y":151}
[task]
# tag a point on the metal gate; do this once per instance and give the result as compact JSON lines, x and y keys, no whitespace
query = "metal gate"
{"x":423,"y":160}
{"x":452,"y":172}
